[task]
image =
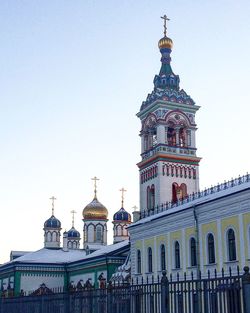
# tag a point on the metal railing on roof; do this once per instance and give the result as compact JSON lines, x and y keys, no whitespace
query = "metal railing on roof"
{"x":196,"y":195}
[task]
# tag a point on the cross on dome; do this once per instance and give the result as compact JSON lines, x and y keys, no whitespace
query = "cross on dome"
{"x":53,"y":204}
{"x":165,"y":18}
{"x":95,"y":179}
{"x":73,"y":212}
{"x":123,"y":191}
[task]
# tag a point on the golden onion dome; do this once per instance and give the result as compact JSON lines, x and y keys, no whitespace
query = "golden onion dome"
{"x":95,"y":211}
{"x":165,"y":42}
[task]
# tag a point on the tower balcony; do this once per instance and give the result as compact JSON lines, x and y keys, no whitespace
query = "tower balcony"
{"x":164,"y":148}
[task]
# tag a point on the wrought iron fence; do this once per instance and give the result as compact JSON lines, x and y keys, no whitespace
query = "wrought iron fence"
{"x":213,"y":294}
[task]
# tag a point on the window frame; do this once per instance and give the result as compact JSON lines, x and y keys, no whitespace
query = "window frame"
{"x":150,"y":260}
{"x":211,"y":258}
{"x":193,"y":251}
{"x":231,"y":254}
{"x":177,"y":255}
{"x":138,"y":261}
{"x":163,"y":257}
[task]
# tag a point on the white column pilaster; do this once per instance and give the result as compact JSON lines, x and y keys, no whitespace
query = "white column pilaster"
{"x":201,"y":254}
{"x":155,"y":264}
{"x":183,"y":245}
{"x":241,"y":250}
{"x":169,"y":264}
{"x":220,"y":244}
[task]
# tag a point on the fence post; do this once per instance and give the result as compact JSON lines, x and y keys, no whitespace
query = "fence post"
{"x":165,"y":293}
{"x":109,"y":297}
{"x":67,"y":297}
{"x":246,"y":289}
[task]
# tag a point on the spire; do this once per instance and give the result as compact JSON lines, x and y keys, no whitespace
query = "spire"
{"x":53,"y":204}
{"x":95,"y":179}
{"x":73,"y":212}
{"x":123,"y":191}
{"x":166,"y":77}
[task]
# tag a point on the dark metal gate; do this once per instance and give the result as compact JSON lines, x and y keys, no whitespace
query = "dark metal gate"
{"x":223,"y":294}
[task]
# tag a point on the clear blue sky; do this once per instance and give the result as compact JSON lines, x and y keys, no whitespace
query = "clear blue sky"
{"x":73,"y":76}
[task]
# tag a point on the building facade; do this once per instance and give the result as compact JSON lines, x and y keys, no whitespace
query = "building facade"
{"x":206,"y":231}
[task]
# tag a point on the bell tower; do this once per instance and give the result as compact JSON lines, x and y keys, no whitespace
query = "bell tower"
{"x":169,"y":167}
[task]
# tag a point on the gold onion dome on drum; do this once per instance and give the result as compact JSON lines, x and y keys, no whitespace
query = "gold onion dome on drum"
{"x":95,"y":211}
{"x":165,"y":42}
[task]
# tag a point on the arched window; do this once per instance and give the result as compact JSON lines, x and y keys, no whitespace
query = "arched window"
{"x":231,"y":245}
{"x":177,"y":254}
{"x":174,"y":192}
{"x":193,"y":258}
{"x":91,"y":233}
{"x":171,"y":136}
{"x":54,"y":236}
{"x":152,"y":196}
{"x":125,"y":230}
{"x":182,"y":137}
{"x":146,"y":142}
{"x":138,"y":261}
{"x":85,"y":233}
{"x":211,"y":249}
{"x":119,"y":230}
{"x":99,"y":233}
{"x":154,"y":137}
{"x":148,"y":197}
{"x":183,"y":188}
{"x":150,"y":261}
{"x":49,"y":237}
{"x":163,"y":258}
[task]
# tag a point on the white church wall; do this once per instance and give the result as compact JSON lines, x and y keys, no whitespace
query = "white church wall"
{"x":31,"y":282}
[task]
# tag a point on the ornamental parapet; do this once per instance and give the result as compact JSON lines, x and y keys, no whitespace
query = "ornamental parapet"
{"x":168,"y":149}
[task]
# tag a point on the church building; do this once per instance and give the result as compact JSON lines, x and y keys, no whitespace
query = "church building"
{"x":68,"y":266}
{"x":178,"y":228}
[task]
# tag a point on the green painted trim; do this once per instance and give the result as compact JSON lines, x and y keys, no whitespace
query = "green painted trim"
{"x":17,"y":283}
{"x":66,"y":280}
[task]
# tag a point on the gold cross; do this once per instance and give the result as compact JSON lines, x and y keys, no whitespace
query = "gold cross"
{"x":73,"y":217}
{"x":95,"y":180}
{"x":123,"y":191}
{"x":53,"y":204}
{"x":165,"y":18}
